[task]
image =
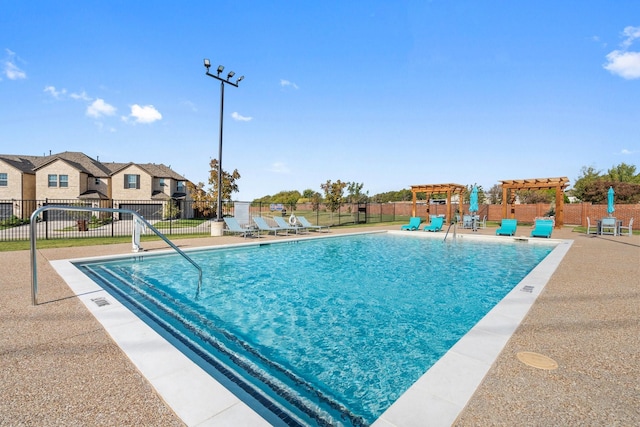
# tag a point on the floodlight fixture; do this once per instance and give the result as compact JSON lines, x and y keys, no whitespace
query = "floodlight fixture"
{"x":220,"y":69}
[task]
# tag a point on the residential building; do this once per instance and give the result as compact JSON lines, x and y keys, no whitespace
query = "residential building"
{"x":153,"y":190}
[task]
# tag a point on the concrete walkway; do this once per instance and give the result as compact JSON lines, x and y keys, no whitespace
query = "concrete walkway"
{"x":59,"y":367}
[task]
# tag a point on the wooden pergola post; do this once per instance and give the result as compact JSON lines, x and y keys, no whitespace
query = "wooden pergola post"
{"x":413,"y":206}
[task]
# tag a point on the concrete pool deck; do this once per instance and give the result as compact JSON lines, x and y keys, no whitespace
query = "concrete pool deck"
{"x":60,"y":367}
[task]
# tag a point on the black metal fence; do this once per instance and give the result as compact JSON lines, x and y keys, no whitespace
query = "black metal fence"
{"x":172,"y":217}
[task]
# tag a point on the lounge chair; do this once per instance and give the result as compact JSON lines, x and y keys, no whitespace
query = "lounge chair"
{"x":286,"y":226}
{"x":234,"y":227}
{"x":542,"y":228}
{"x":627,"y":227}
{"x":589,"y":226}
{"x":467,"y":221}
{"x":507,"y":227}
{"x":481,"y":224}
{"x":306,"y":224}
{"x":436,"y":224}
{"x":262,"y":225}
{"x":414,"y":224}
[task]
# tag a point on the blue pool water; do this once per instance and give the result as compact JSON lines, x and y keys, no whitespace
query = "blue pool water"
{"x":324,"y":331}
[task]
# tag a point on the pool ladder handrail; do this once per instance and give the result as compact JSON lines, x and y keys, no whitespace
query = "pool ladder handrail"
{"x":453,"y":223}
{"x":33,"y":237}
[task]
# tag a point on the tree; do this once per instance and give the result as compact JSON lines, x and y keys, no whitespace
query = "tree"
{"x":404,"y":195}
{"x":625,"y":192}
{"x":289,"y":198}
{"x":354,"y":193}
{"x":588,"y":175}
{"x":495,"y":194}
{"x":333,"y":194}
{"x":591,"y":182}
{"x":308,"y":193}
{"x":229,"y":185}
{"x":536,"y":196}
{"x":205,"y":201}
{"x":316,"y":199}
{"x":623,"y":173}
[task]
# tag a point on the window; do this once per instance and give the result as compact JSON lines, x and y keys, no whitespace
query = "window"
{"x":132,"y":181}
{"x":181,"y":188}
{"x":4,"y":181}
{"x":162,"y":184}
{"x":97,"y":181}
{"x":61,"y":181}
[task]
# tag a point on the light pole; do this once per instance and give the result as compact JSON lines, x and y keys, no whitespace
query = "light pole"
{"x":223,"y":81}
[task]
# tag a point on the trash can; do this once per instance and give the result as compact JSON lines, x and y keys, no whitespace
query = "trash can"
{"x":362,"y":214}
{"x":82,"y":225}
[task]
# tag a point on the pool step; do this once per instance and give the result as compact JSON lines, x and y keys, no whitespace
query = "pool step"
{"x":288,"y":396}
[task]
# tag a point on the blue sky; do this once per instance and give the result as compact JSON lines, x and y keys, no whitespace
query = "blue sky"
{"x":389,"y":94}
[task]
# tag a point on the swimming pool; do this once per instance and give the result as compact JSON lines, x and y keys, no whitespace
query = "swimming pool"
{"x":375,"y":322}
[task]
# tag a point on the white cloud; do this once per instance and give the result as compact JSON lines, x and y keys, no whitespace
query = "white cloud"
{"x":80,"y":96}
{"x":240,"y":118}
{"x":279,"y":167}
{"x":10,"y":69}
{"x":285,"y":83}
{"x":145,"y":113}
{"x":190,"y":105}
{"x":625,"y":152}
{"x":54,"y":92}
{"x":99,"y":108}
{"x":622,"y":62}
{"x":631,"y":33}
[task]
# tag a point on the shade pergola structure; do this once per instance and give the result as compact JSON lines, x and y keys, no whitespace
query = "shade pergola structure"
{"x":509,"y":188}
{"x":429,"y":189}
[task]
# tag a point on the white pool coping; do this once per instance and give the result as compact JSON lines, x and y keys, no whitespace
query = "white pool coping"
{"x":199,"y":400}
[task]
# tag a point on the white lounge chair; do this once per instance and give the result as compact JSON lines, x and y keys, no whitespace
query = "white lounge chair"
{"x":589,"y":226}
{"x":306,"y":224}
{"x":286,"y":226}
{"x":234,"y":227}
{"x":263,"y":226}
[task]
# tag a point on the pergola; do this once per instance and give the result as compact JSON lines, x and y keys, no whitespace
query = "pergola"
{"x":558,"y":184}
{"x":429,"y":189}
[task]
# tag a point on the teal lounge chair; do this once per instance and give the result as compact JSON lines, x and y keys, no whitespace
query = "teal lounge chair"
{"x":542,"y":228}
{"x":234,"y":227}
{"x":507,"y":227}
{"x":263,"y":226}
{"x":414,"y":224}
{"x":436,"y":224}
{"x":283,"y":224}
{"x":306,"y":224}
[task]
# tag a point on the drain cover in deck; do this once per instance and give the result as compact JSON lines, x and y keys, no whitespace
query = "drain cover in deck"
{"x":537,"y":360}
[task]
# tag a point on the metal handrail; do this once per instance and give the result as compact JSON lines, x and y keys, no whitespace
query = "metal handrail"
{"x":453,"y":223}
{"x":33,"y":223}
